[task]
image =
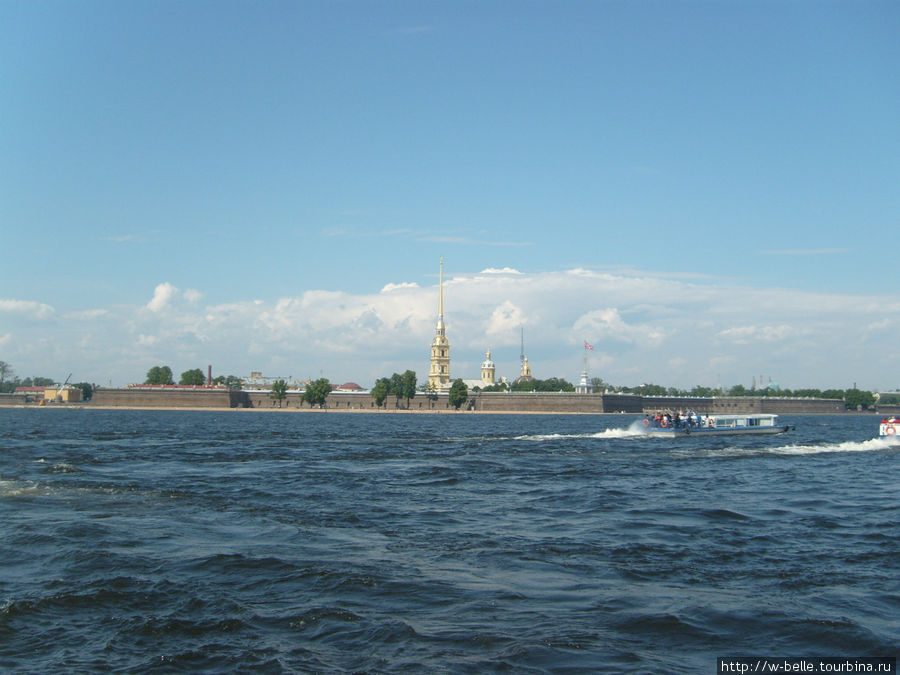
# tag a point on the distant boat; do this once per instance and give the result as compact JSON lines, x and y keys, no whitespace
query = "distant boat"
{"x":716,"y":425}
{"x":890,"y":426}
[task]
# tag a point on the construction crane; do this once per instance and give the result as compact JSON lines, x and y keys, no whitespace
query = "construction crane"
{"x":59,"y":390}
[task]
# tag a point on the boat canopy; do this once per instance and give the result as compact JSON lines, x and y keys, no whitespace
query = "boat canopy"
{"x":737,"y":421}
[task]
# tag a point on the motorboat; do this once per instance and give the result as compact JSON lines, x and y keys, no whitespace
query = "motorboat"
{"x":714,"y":425}
{"x":890,"y":426}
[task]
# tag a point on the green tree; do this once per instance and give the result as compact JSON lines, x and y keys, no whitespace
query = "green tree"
{"x":381,"y":390}
{"x":526,"y":385}
{"x":42,"y":382}
{"x":193,"y":377}
{"x":396,"y":388}
{"x":499,"y":387}
{"x":279,"y":391}
{"x":408,"y":386}
{"x":5,"y":371}
{"x":87,"y":390}
{"x":459,"y":393}
{"x":738,"y":390}
{"x":856,"y":399}
{"x":159,"y":375}
{"x":553,"y":384}
{"x":317,"y":392}
{"x":230,"y":381}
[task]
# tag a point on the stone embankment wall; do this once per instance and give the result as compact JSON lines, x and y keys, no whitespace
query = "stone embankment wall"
{"x":340,"y":400}
{"x":555,"y":403}
{"x":479,"y":401}
{"x":738,"y":405}
{"x":167,"y":398}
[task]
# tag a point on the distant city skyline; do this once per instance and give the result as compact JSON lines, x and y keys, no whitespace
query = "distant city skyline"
{"x":701,"y":191}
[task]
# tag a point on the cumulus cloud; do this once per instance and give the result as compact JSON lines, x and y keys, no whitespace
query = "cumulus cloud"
{"x":747,"y":334}
{"x":607,"y":325}
{"x":162,"y":296}
{"x":644,"y":328}
{"x":193,"y":296}
{"x":28,"y":308}
{"x":505,"y":270}
{"x":396,"y":287}
{"x":503,"y":318}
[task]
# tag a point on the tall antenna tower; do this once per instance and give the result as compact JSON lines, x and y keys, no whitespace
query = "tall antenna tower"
{"x":522,"y":348}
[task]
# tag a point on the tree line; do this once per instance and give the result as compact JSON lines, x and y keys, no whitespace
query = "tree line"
{"x":9,"y":381}
{"x":852,"y":398}
{"x":553,"y":384}
{"x":315,"y":393}
{"x":194,"y":377}
{"x":404,"y":387}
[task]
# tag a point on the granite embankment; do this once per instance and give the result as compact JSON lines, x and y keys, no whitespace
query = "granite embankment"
{"x":548,"y":403}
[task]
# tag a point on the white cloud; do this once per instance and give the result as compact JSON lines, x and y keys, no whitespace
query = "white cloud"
{"x":503,"y":318}
{"x":193,"y":296}
{"x":29,"y":308}
{"x":747,"y":334}
{"x":505,"y":270}
{"x":608,"y":325}
{"x":645,"y":328}
{"x":5,"y":339}
{"x":162,"y":296}
{"x":396,"y":287}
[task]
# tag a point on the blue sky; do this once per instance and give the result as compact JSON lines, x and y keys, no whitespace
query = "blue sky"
{"x":269,"y":186}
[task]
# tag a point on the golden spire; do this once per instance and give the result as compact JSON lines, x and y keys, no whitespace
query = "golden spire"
{"x":440,"y":321}
{"x":439,"y":377}
{"x":441,"y":291}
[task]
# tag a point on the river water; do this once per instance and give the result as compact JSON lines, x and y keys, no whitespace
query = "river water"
{"x":335,"y":542}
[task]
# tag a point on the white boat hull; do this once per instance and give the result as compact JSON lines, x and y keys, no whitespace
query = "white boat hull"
{"x":712,"y":431}
{"x":719,"y":425}
{"x":889,"y":430}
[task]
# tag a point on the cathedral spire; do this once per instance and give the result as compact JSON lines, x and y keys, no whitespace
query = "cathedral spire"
{"x":440,"y":322}
{"x":441,"y":290}
{"x":439,"y":374}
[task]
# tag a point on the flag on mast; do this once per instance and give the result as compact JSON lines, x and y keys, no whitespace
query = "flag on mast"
{"x":587,"y":346}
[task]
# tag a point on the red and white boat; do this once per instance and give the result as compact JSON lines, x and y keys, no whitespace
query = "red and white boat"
{"x":890,"y":426}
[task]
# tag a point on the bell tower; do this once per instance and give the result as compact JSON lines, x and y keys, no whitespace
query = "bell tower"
{"x":439,"y":375}
{"x":488,"y":370}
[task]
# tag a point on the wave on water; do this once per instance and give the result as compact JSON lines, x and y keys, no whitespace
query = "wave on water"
{"x":847,"y":446}
{"x":630,"y":432}
{"x":19,"y":488}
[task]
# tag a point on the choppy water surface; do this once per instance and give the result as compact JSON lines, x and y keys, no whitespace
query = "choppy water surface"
{"x":298,"y":542}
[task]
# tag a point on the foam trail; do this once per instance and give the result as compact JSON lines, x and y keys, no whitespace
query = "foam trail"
{"x":16,"y":488}
{"x":846,"y":446}
{"x":630,"y":432}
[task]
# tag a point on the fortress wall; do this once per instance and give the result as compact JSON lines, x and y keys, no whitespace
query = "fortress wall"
{"x":166,"y":398}
{"x":659,"y":403}
{"x":537,"y":402}
{"x":790,"y":406}
{"x":737,"y":405}
{"x":554,"y":402}
{"x":479,"y":401}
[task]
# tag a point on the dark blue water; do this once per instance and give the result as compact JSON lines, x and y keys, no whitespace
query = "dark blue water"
{"x":297,"y":542}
